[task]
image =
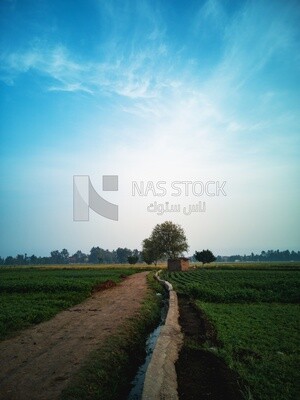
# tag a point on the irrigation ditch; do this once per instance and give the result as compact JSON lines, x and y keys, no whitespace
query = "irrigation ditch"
{"x":156,"y":378}
{"x":139,"y":379}
{"x":176,"y":365}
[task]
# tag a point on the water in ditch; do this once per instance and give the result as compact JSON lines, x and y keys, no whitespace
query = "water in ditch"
{"x":138,"y":381}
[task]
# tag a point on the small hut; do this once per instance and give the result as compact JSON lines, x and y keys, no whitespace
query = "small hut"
{"x":178,"y":264}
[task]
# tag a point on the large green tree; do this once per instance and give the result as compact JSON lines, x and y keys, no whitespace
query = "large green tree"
{"x":167,"y":240}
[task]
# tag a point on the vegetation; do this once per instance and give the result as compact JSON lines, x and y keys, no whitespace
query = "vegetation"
{"x":109,"y":370}
{"x":256,"y":316}
{"x":167,"y":240}
{"x":150,"y":253}
{"x":204,"y":256}
{"x":132,"y":259}
{"x":264,"y":256}
{"x":260,"y":342}
{"x":242,"y":286}
{"x":31,"y":295}
{"x":97,"y":255}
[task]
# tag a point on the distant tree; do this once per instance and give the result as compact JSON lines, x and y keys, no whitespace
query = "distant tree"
{"x":132,"y":259}
{"x":169,"y":240}
{"x":33,"y":259}
{"x":150,"y":253}
{"x":55,"y":257}
{"x":10,"y":260}
{"x":78,"y":257}
{"x":95,"y":254}
{"x":204,"y":256}
{"x":98,"y":255}
{"x":64,"y":254}
{"x":136,"y":253}
{"x":122,"y":255}
{"x":20,"y":259}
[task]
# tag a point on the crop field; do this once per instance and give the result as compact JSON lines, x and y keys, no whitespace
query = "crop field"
{"x":256,"y":316}
{"x":31,"y":295}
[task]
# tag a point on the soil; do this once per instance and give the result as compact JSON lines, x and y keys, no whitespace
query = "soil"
{"x":39,"y":363}
{"x":201,"y":374}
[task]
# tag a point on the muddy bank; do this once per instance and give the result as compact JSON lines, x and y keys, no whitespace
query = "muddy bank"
{"x":201,"y":374}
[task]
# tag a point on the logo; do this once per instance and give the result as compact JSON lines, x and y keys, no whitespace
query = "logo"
{"x":85,"y":197}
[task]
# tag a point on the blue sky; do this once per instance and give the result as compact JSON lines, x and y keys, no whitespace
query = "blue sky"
{"x":150,"y":91}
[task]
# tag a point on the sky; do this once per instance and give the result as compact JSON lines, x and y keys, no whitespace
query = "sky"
{"x":157,"y":92}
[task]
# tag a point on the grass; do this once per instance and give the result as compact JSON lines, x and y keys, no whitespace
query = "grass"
{"x":31,"y":295}
{"x":287,"y":265}
{"x":260,"y":342}
{"x":108,"y":372}
{"x":242,"y":286}
{"x":256,"y":316}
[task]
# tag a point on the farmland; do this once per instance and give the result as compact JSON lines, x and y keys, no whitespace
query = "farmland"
{"x":103,"y":336}
{"x":31,"y":295}
{"x":255,"y":313}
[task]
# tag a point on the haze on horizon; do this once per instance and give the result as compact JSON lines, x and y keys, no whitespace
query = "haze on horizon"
{"x":151,"y":91}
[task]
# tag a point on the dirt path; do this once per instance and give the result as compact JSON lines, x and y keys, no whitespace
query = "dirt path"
{"x":39,"y":362}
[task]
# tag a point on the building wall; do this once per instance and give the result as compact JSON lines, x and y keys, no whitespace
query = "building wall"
{"x":179,"y":264}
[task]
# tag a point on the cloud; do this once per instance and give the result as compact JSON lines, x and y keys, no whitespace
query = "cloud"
{"x":54,"y":63}
{"x":257,"y":33}
{"x":147,"y":79}
{"x":132,"y":77}
{"x":70,"y":87}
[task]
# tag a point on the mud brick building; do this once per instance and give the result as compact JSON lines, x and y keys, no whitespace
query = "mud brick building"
{"x":178,"y":264}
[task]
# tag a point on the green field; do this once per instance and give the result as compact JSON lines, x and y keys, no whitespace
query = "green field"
{"x":256,"y":316}
{"x":32,"y":295}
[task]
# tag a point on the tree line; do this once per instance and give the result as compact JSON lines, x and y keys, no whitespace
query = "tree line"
{"x":97,"y":255}
{"x":269,"y":255}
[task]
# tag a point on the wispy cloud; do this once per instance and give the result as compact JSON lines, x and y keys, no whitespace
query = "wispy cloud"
{"x":54,"y":63}
{"x":260,"y":31}
{"x":149,"y":79}
{"x":132,"y":78}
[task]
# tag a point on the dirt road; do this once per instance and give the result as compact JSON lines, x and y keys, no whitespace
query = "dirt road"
{"x":39,"y":362}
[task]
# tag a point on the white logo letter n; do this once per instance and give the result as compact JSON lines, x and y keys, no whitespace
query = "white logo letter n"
{"x":86,"y":197}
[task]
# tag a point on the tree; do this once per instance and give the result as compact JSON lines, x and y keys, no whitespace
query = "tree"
{"x":64,"y":254}
{"x":33,"y":259}
{"x":167,"y":240}
{"x":150,"y":253}
{"x":20,"y":259}
{"x":122,"y":255}
{"x":78,"y":257}
{"x":132,"y":259}
{"x":55,"y":257}
{"x":205,"y":256}
{"x":10,"y":260}
{"x":95,"y":255}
